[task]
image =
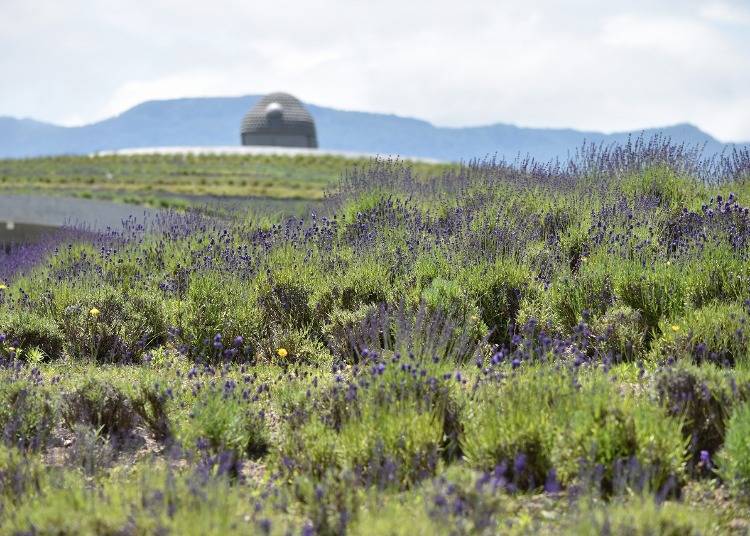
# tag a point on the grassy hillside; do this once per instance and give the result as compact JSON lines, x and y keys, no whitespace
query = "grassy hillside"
{"x":161,"y":180}
{"x":498,"y":349}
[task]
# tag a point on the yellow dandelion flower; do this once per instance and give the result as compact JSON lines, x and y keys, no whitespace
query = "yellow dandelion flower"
{"x":94,"y":312}
{"x":281,"y":352}
{"x":11,"y":349}
{"x":675,"y":327}
{"x":3,"y":287}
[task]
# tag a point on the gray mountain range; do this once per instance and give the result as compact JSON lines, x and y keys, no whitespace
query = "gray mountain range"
{"x":215,"y":121}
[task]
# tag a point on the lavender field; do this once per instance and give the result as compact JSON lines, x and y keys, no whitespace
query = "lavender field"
{"x":490,"y":348}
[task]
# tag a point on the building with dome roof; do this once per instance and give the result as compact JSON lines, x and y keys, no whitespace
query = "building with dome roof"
{"x":279,"y":120}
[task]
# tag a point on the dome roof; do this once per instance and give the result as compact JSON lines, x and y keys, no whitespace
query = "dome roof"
{"x":279,"y":116}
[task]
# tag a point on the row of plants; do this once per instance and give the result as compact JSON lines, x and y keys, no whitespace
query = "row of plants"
{"x":498,"y":348}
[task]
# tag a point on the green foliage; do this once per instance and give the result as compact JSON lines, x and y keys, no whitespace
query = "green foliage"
{"x":503,"y":425}
{"x":448,"y":300}
{"x":604,"y":432}
{"x":28,"y":413}
{"x":656,"y":292}
{"x":148,"y":499}
{"x":216,"y":304}
{"x":734,"y":458}
{"x":499,"y":290}
{"x":109,"y":325}
{"x":718,"y":276}
{"x":661,"y":183}
{"x":591,"y":289}
{"x":289,"y":296}
{"x":365,"y":282}
{"x":620,"y":331}
{"x":393,"y":448}
{"x":152,"y":407}
{"x":21,"y":476}
{"x":644,"y":516}
{"x":714,"y":333}
{"x":703,"y":397}
{"x":346,"y":329}
{"x":404,"y":437}
{"x":101,"y":406}
{"x":323,"y":501}
{"x":223,"y":419}
{"x":301,"y":346}
{"x":26,"y":330}
{"x":570,"y":430}
{"x":392,"y":432}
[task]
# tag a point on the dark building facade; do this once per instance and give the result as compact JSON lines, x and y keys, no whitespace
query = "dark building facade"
{"x":280,"y":120}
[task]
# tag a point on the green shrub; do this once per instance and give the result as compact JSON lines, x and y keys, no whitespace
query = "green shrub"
{"x":147,"y":499}
{"x":108,"y":325}
{"x":574,"y":246}
{"x":620,"y":331}
{"x":21,"y":476}
{"x":656,"y":292}
{"x":217,"y":305}
{"x":322,"y":501}
{"x":516,"y":422}
{"x":392,"y":430}
{"x":498,"y":290}
{"x":539,"y":312}
{"x":366,"y":281}
{"x":542,"y":419}
{"x":311,"y":447}
{"x":605,"y":432}
{"x":703,"y":397}
{"x":223,"y":419}
{"x":714,"y":333}
{"x":28,"y":414}
{"x":290,"y":296}
{"x":660,"y":182}
{"x":644,"y":516}
{"x":591,"y":290}
{"x":391,"y":448}
{"x":542,"y":260}
{"x":102,"y":406}
{"x":395,"y":447}
{"x":25,"y":330}
{"x":152,"y":407}
{"x":448,"y":300}
{"x":347,"y":329}
{"x":717,"y":276}
{"x":734,"y":458}
{"x":425,"y":269}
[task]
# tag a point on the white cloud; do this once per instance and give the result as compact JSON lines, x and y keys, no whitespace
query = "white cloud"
{"x":581,"y":64}
{"x":726,"y":13}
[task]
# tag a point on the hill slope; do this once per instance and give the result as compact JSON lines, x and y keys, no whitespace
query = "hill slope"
{"x":215,"y":122}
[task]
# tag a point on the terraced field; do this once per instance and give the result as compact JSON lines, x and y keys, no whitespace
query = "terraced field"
{"x":180,"y":179}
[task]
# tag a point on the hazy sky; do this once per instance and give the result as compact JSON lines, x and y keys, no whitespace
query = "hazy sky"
{"x":600,"y":65}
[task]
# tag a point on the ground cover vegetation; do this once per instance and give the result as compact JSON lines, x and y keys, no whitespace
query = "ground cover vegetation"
{"x":179,"y":180}
{"x":497,"y":348}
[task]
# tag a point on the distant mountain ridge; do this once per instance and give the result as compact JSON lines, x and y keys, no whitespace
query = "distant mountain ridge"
{"x":215,"y":121}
